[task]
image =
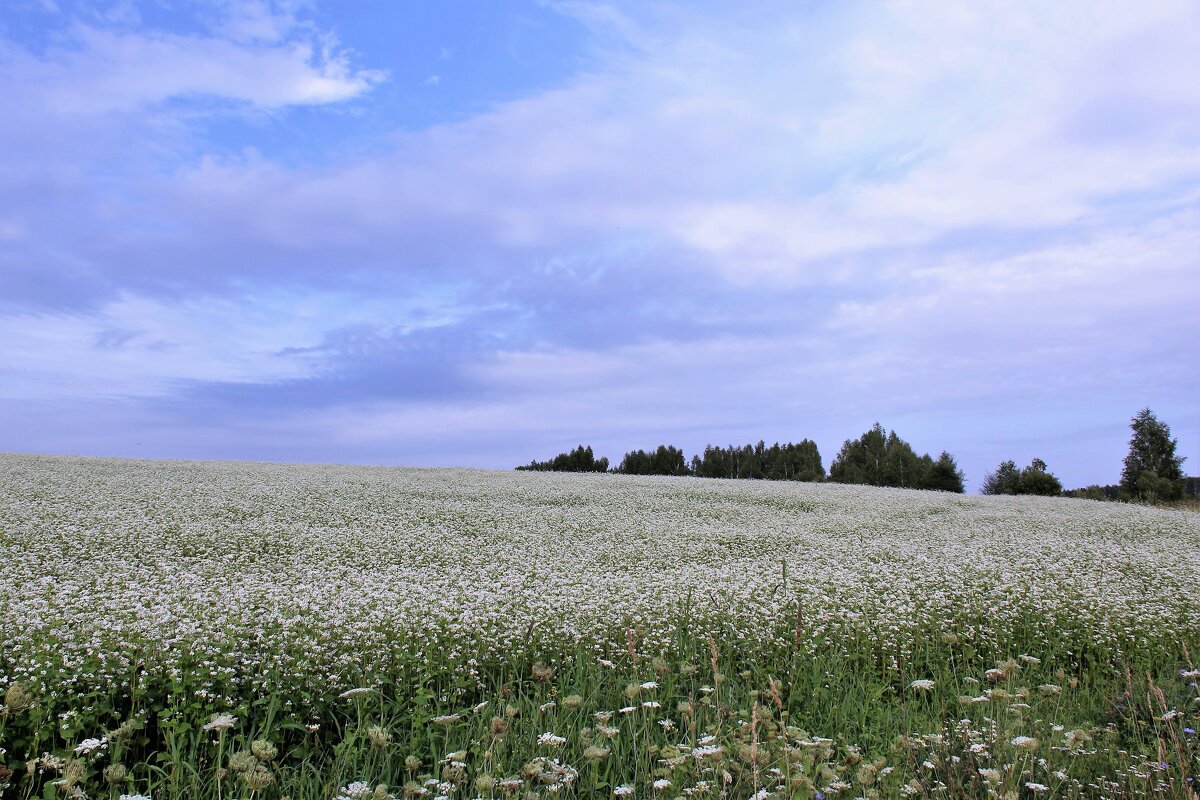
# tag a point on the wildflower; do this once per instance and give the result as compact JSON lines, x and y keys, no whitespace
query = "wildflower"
{"x":1026,"y":743}
{"x":595,"y":753}
{"x":135,"y":797}
{"x":572,"y":701}
{"x":242,"y":761}
{"x":378,"y":736}
{"x":263,"y":750}
{"x":220,"y":722}
{"x":649,"y":685}
{"x":355,"y":791}
{"x":992,"y":776}
{"x":660,"y":784}
{"x":17,"y":698}
{"x":90,"y":745}
{"x":1037,"y":787}
{"x":922,"y":685}
{"x":114,"y":773}
{"x":446,"y":719}
{"x":623,"y":791}
{"x":550,"y":740}
{"x":358,"y":692}
{"x":258,"y":778}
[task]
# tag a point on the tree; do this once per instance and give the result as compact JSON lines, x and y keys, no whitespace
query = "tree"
{"x":1151,"y":471}
{"x":1005,"y":480}
{"x":581,"y":459}
{"x":944,"y":475}
{"x":666,"y":460}
{"x":781,"y":462}
{"x":880,"y":458}
{"x":1034,"y":479}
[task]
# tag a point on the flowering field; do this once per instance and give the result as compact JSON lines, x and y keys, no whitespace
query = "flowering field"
{"x":187,"y":629}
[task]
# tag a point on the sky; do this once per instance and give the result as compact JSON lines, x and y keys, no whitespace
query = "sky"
{"x":471,"y":233}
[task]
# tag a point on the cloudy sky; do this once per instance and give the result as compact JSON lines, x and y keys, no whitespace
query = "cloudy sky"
{"x":475,"y":233}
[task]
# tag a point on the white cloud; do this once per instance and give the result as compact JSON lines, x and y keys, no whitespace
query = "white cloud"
{"x":266,"y":61}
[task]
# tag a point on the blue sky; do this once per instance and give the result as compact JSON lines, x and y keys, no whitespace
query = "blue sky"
{"x":476,"y":233}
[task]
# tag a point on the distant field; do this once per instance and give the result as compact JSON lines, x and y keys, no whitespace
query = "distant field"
{"x":720,"y":638}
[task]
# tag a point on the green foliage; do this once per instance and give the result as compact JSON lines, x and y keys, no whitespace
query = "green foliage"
{"x":880,"y":458}
{"x":1034,"y":479}
{"x":791,"y":461}
{"x":581,"y":459}
{"x":1152,"y":472}
{"x":944,"y":475}
{"x":966,"y":711}
{"x":666,"y":460}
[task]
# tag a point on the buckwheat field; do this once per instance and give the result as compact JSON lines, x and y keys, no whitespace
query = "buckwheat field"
{"x":231,"y":630}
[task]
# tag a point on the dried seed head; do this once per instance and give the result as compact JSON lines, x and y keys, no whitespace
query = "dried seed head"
{"x":242,"y":761}
{"x":258,"y":778}
{"x":114,"y":773}
{"x":263,"y":750}
{"x":17,"y":698}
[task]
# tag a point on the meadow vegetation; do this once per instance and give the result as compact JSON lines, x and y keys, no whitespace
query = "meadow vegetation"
{"x":182,"y":630}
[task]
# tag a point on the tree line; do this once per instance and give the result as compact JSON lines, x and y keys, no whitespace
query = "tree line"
{"x":877,"y":458}
{"x":1152,"y":471}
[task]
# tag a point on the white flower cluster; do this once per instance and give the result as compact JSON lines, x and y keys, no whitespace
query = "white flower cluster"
{"x":298,"y":575}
